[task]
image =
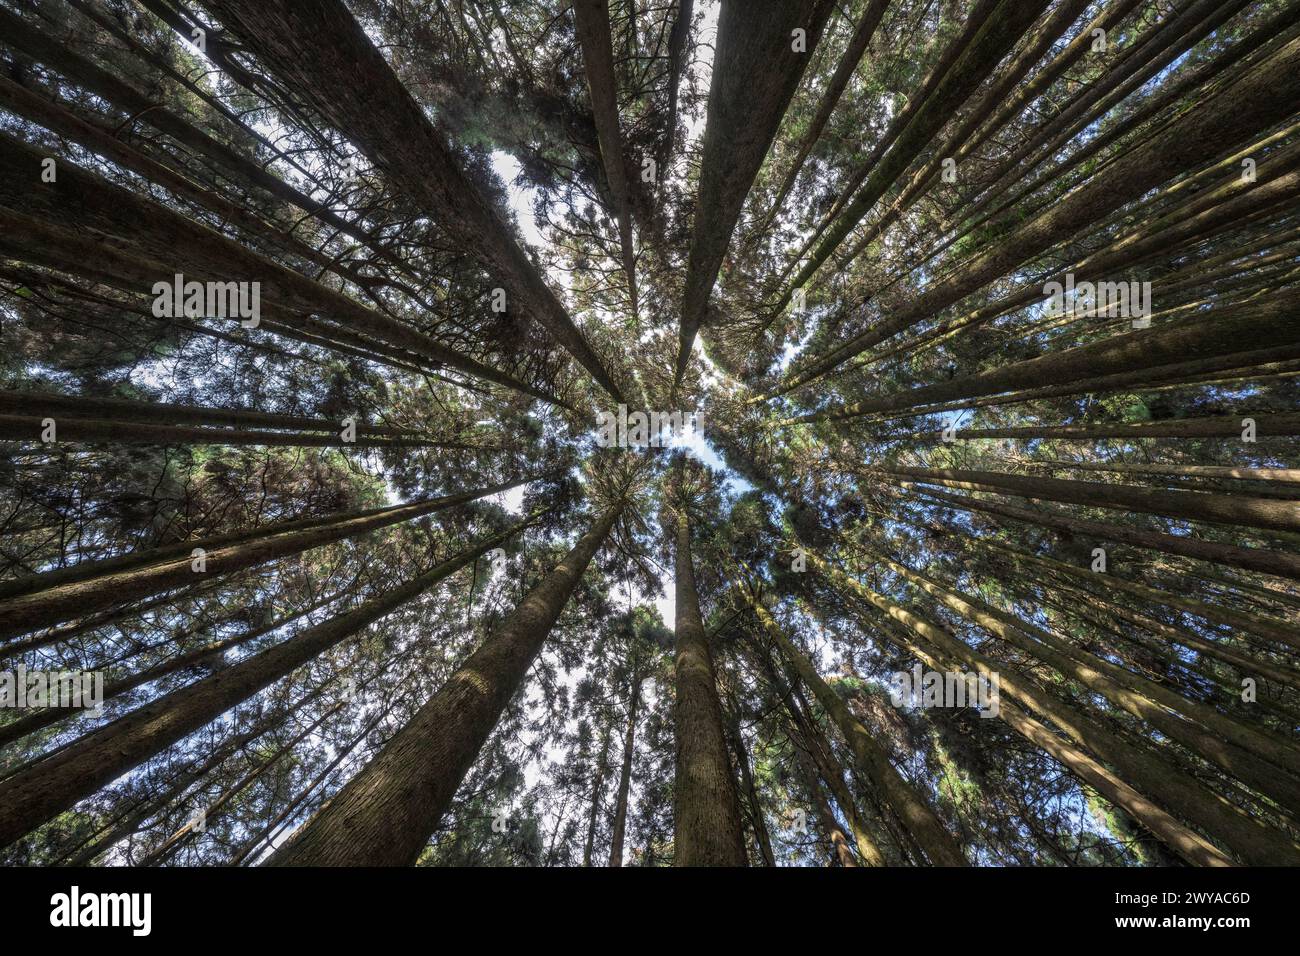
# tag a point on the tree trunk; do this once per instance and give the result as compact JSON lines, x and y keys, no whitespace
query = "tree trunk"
{"x":706,"y":813}
{"x":1269,"y":627}
{"x":385,"y":815}
{"x":1218,"y":507}
{"x":1232,"y":472}
{"x":169,"y":847}
{"x":676,"y":47}
{"x":58,"y":781}
{"x":755,"y":72}
{"x":103,"y":84}
{"x":1259,"y":759}
{"x":844,"y":70}
{"x":1228,"y":426}
{"x":761,"y":835}
{"x":80,"y":200}
{"x":42,"y":404}
{"x":1280,"y":563}
{"x":1255,"y":101}
{"x":592,"y":20}
{"x":89,"y":431}
{"x":939,"y":846}
{"x":61,"y":602}
{"x":1219,"y":334}
{"x":597,"y":790}
{"x":840,"y":852}
{"x":993,"y":40}
{"x":625,"y":776}
{"x":39,"y":719}
{"x":939,"y":649}
{"x":322,"y":53}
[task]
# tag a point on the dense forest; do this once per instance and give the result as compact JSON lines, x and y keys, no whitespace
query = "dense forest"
{"x":649,"y":432}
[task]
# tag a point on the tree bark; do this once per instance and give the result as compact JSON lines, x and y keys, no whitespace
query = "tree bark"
{"x":1219,"y":334}
{"x":1228,"y":426}
{"x":756,"y":822}
{"x":1279,"y":563}
{"x":1220,"y":508}
{"x":706,"y":812}
{"x":16,"y":730}
{"x":994,"y":39}
{"x":1253,"y":102}
{"x":1257,"y":758}
{"x":322,"y":53}
{"x":90,"y":431}
{"x":625,"y":775}
{"x":42,"y":404}
{"x":61,"y":602}
{"x":940,"y":651}
{"x":592,"y":19}
{"x":844,"y":70}
{"x":930,"y":834}
{"x":385,"y":815}
{"x":57,"y":782}
{"x":755,"y":72}
{"x":83,"y":201}
{"x":597,"y":790}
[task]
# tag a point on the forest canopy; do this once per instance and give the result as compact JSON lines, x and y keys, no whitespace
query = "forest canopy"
{"x":649,"y":432}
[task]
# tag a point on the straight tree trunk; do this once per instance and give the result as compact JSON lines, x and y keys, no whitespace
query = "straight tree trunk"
{"x":322,"y":53}
{"x":1228,"y":207}
{"x":1253,"y":102}
{"x":962,"y":141}
{"x":58,"y":603}
{"x":40,"y":719}
{"x":49,"y":404}
{"x":625,"y":775}
{"x":994,"y":39}
{"x":706,"y":812}
{"x":939,"y":649}
{"x":840,"y":853}
{"x":870,"y":838}
{"x":761,"y":835}
{"x":22,"y":36}
{"x":592,"y":20}
{"x":29,"y":105}
{"x":597,"y":790}
{"x":1280,"y":563}
{"x":57,"y":782}
{"x":249,"y":847}
{"x":104,"y":839}
{"x":1218,"y":507}
{"x":1265,"y":626}
{"x":676,"y":63}
{"x":1257,"y":758}
{"x":184,"y":833}
{"x":818,"y":749}
{"x":1219,"y":334}
{"x":1228,"y":426}
{"x":930,"y":834}
{"x":755,"y":72}
{"x":80,"y":200}
{"x":385,"y":815}
{"x":90,"y":431}
{"x":976,"y":19}
{"x":1289,"y":475}
{"x":844,"y":70}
